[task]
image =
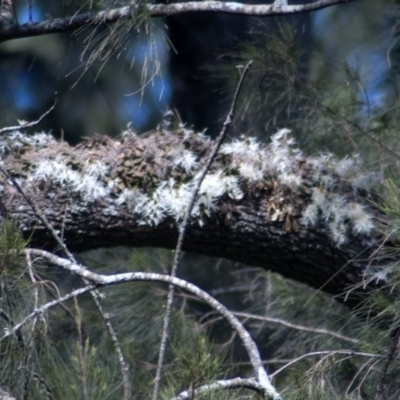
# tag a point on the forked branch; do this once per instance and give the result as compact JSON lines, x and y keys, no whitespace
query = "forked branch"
{"x":98,"y":280}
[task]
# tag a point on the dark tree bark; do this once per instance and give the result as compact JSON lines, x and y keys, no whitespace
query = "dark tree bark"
{"x":105,"y":193}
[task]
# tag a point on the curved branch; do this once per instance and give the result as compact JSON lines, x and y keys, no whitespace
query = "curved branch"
{"x":68,"y":24}
{"x":99,"y":280}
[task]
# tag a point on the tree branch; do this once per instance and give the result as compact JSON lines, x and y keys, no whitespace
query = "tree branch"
{"x":297,"y":327}
{"x":329,"y":353}
{"x":236,"y":383}
{"x":100,"y":280}
{"x":263,"y":205}
{"x":67,"y":24}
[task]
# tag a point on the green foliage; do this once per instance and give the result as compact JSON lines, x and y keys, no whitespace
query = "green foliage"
{"x":11,"y":245}
{"x":196,"y":361}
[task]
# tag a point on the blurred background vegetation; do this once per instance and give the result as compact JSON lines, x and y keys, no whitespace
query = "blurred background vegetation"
{"x":332,"y":77}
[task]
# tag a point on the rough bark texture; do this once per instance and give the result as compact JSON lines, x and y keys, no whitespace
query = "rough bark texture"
{"x":262,"y":224}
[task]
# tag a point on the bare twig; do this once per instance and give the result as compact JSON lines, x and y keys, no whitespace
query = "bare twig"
{"x":26,"y":125}
{"x":75,"y":293}
{"x":298,"y":327}
{"x":34,"y":282}
{"x":106,"y":319}
{"x":236,"y":383}
{"x":70,"y":23}
{"x":182,"y":230}
{"x":107,"y":280}
{"x":350,"y":353}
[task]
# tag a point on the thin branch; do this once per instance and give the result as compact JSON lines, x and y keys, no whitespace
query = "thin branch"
{"x":107,"y":280}
{"x":350,"y":353}
{"x":298,"y":327}
{"x":182,"y":230}
{"x":71,"y":23}
{"x":236,"y":383}
{"x":38,"y":311}
{"x":106,"y":319}
{"x":34,"y":283}
{"x":26,"y":125}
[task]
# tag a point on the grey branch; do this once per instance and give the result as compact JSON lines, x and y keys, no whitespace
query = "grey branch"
{"x":235,"y":383}
{"x":298,"y":327}
{"x":26,"y":125}
{"x":329,"y":353}
{"x":10,"y":30}
{"x":99,"y":280}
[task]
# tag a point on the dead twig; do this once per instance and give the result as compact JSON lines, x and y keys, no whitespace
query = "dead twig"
{"x":26,"y":125}
{"x":182,"y":230}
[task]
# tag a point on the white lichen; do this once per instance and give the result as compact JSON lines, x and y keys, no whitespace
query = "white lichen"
{"x":86,"y":182}
{"x":171,"y":199}
{"x":187,"y":160}
{"x":247,"y":162}
{"x":282,"y":153}
{"x":338,"y":215}
{"x":291,"y":180}
{"x":251,"y":171}
{"x":311,"y":215}
{"x":133,"y":198}
{"x":247,"y":158}
{"x":16,"y":140}
{"x":187,"y":132}
{"x":95,"y":169}
{"x":245,"y":148}
{"x":361,"y":220}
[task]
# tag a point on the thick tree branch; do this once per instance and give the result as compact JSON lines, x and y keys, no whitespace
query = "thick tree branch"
{"x":10,"y":30}
{"x":267,"y":206}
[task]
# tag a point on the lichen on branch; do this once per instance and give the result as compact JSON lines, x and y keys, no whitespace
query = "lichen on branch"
{"x":153,"y":176}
